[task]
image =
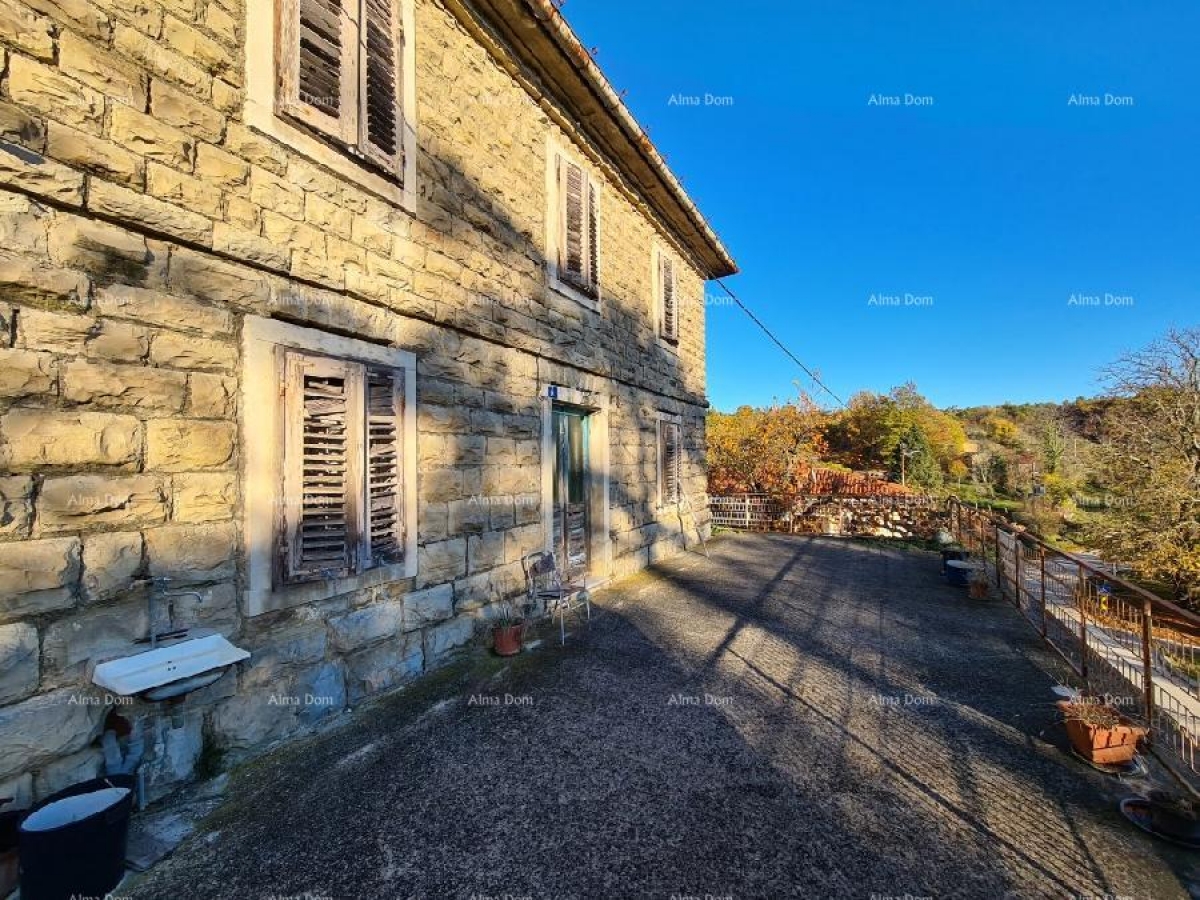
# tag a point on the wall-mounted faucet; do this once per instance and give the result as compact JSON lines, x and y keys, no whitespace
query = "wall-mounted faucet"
{"x":159,"y":587}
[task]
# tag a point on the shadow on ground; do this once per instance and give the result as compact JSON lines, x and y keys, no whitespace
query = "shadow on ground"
{"x":793,"y":716}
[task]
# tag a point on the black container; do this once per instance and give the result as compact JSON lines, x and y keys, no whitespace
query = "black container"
{"x":80,"y":859}
{"x":952,"y":553}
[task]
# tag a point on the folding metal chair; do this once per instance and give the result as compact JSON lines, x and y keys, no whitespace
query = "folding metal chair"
{"x":546,"y":586}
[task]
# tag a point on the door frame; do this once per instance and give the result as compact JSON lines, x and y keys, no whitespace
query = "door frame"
{"x":595,"y":406}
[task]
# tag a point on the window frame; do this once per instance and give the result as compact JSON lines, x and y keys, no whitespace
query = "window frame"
{"x":556,"y":228}
{"x":262,"y":439}
{"x":263,"y":113}
{"x":664,"y":421}
{"x":658,"y":254}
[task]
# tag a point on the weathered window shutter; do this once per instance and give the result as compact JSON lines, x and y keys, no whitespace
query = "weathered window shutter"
{"x":669,"y":327}
{"x":381,"y":74}
{"x":669,"y":461}
{"x":322,"y":467}
{"x":317,"y":64}
{"x":593,"y":240}
{"x":572,"y":184}
{"x":384,"y":538}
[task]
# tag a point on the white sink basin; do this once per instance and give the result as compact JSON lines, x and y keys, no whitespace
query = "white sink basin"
{"x":144,"y":671}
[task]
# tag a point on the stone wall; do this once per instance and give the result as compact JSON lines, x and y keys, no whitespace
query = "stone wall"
{"x":141,"y":221}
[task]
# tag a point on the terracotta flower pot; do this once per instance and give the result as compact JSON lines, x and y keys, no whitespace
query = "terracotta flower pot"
{"x":507,"y":639}
{"x":1103,"y":746}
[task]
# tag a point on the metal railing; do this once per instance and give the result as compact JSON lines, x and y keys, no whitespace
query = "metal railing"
{"x":1139,"y":651}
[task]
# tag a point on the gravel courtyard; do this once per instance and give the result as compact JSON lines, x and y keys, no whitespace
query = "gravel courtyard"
{"x":792,"y":717}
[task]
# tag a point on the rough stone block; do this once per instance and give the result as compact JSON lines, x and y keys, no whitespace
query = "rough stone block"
{"x":469,"y":516}
{"x":82,"y":15}
{"x":191,"y":43}
{"x":20,"y":666}
{"x":182,"y":445}
{"x":88,"y":501}
{"x":243,"y":142}
{"x":215,"y":164}
{"x":32,"y":438}
{"x":422,"y":608}
{"x":47,"y":727}
{"x":16,"y":506}
{"x":122,"y":203}
{"x":18,"y":127}
{"x":27,"y":30}
{"x":24,"y":373}
{"x":96,"y":155}
{"x":183,"y":351}
{"x":49,"y":92}
{"x":157,"y":308}
{"x":188,"y":554}
{"x":357,"y":629}
{"x":275,"y":193}
{"x":37,"y":576}
{"x":211,"y":396}
{"x":441,"y":639}
{"x":441,"y":561}
{"x":92,"y":636}
{"x":485,"y":551}
{"x":83,"y":243}
{"x":243,"y":245}
{"x":176,"y":108}
{"x":203,"y":497}
{"x":59,"y":332}
{"x":23,"y":281}
{"x":384,"y":666}
{"x":111,"y":563}
{"x":183,"y":190}
{"x":522,"y":541}
{"x":119,"y":342}
{"x":137,"y":387}
{"x":71,"y":770}
{"x":161,"y":60}
{"x":84,"y":61}
{"x":204,"y":276}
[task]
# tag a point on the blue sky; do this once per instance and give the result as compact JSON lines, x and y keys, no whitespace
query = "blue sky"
{"x":982,"y":211}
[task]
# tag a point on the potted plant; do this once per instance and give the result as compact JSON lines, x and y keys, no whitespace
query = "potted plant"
{"x":979,"y":587}
{"x":1099,"y":733}
{"x":1174,"y":816}
{"x":508,"y":634}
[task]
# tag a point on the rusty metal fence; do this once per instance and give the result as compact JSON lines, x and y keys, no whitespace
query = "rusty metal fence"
{"x":746,"y":512}
{"x":1139,"y":651}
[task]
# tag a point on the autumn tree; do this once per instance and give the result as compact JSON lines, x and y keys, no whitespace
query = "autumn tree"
{"x":765,"y":450}
{"x":1150,"y":461}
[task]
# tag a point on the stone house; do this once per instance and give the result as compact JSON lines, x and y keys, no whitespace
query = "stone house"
{"x":327,"y":312}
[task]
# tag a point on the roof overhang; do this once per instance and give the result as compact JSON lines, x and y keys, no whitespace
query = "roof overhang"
{"x":544,"y":45}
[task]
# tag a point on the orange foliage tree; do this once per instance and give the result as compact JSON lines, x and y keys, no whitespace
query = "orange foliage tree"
{"x":765,"y":450}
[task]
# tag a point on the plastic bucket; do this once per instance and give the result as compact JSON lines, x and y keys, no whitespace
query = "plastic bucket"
{"x":72,"y":844}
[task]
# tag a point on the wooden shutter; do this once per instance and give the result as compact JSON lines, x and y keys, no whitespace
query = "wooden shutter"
{"x":322,"y":467}
{"x":670,"y":314}
{"x":669,"y":461}
{"x":384,"y":539}
{"x":381,"y":137}
{"x":592,"y":282}
{"x":317,"y":64}
{"x":572,"y":185}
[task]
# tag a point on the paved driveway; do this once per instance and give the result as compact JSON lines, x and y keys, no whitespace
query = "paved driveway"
{"x":794,"y":717}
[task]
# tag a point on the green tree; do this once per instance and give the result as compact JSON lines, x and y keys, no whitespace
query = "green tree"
{"x":913,"y":460}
